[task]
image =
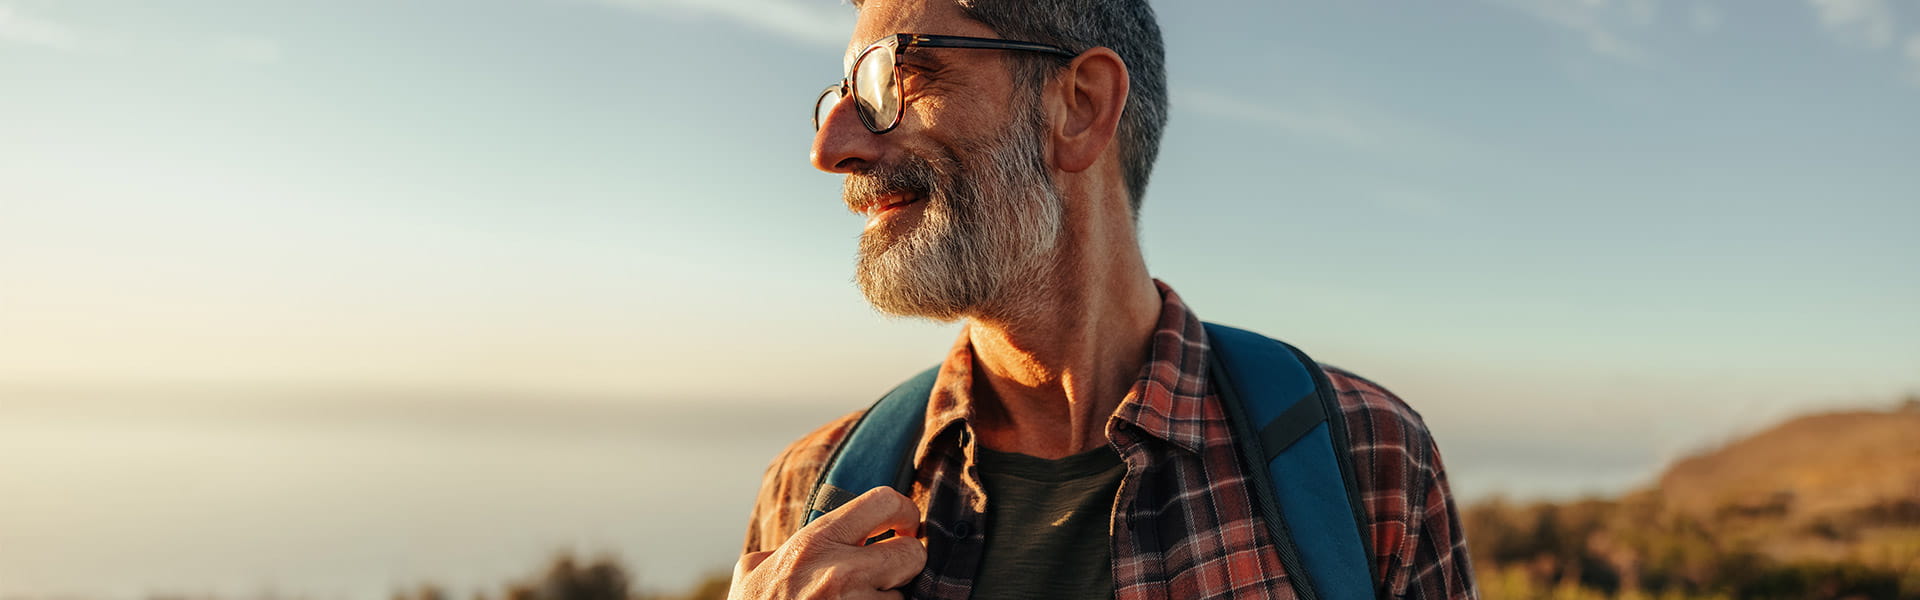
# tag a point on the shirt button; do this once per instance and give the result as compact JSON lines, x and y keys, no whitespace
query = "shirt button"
{"x":963,"y":529}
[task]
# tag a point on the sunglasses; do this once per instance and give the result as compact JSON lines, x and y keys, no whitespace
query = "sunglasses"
{"x":874,"y":81}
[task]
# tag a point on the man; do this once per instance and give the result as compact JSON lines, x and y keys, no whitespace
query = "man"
{"x":1073,"y":446}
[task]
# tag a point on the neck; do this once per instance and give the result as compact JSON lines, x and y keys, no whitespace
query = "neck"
{"x":1050,"y":372}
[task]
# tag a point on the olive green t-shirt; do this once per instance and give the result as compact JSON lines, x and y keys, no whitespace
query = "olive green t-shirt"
{"x":1048,"y":525}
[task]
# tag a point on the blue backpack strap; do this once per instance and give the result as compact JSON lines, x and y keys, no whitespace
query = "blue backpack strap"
{"x":1286,"y":418}
{"x":876,"y":451}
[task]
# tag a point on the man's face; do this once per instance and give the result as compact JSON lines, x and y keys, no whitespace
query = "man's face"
{"x":958,"y":197}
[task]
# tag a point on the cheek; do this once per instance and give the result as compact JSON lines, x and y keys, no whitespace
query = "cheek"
{"x":932,"y":116}
{"x":953,"y":129}
{"x":952,"y":115}
{"x":933,"y":132}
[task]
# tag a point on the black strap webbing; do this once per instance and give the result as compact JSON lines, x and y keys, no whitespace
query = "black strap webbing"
{"x":1291,"y":425}
{"x":830,"y":497}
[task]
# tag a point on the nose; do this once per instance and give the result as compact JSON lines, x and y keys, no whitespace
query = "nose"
{"x":843,"y":145}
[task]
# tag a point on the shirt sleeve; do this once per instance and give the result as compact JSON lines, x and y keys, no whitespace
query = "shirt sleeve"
{"x":1440,"y":568}
{"x":788,"y":481}
{"x":1421,"y":551}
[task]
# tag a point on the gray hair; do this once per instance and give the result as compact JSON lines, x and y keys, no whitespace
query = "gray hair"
{"x":1126,"y":26}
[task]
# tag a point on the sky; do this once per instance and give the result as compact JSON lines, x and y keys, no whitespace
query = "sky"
{"x":1581,"y":237}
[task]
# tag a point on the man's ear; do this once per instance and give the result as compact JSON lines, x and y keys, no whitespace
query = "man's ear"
{"x":1092,"y":94}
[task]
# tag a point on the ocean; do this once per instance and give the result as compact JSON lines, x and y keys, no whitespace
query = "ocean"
{"x":356,"y":499}
{"x":352,"y":495}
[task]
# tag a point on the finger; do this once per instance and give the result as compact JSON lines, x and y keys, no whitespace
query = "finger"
{"x":893,"y":562}
{"x":878,"y":510}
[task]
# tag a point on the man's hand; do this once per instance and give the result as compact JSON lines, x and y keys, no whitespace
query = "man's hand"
{"x":830,"y":557}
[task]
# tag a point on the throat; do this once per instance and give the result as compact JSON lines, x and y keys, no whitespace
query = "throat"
{"x":1029,"y":408}
{"x":1050,"y":375}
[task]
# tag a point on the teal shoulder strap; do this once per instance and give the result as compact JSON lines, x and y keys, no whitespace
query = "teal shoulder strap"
{"x":1289,"y":428}
{"x":877,"y":451}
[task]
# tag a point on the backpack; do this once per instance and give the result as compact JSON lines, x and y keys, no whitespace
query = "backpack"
{"x":1284,"y":416}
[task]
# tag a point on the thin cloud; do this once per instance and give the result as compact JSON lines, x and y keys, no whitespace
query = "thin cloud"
{"x":21,"y":28}
{"x":1320,"y":124}
{"x":814,"y":23}
{"x":18,"y":27}
{"x":1862,"y":22}
{"x":1868,"y":24}
{"x":1340,"y":123}
{"x":1599,"y":24}
{"x":1704,"y":18}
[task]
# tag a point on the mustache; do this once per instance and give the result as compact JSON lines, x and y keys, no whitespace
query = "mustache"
{"x":911,"y":175}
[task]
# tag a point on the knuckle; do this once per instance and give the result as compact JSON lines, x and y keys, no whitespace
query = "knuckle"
{"x":807,"y":551}
{"x":817,"y":533}
{"x":897,"y":497}
{"x":835,"y":580}
{"x":898,"y":500}
{"x":865,"y":501}
{"x":885,"y":497}
{"x":907,"y":556}
{"x":888,"y":502}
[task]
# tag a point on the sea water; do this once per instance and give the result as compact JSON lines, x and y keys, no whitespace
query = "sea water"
{"x":313,"y":500}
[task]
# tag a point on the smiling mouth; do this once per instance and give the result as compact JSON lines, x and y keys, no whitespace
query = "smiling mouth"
{"x":890,"y":202}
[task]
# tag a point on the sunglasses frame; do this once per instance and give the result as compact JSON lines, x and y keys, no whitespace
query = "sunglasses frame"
{"x":898,"y":44}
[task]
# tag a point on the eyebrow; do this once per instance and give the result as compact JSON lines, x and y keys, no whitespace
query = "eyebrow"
{"x":931,"y":59}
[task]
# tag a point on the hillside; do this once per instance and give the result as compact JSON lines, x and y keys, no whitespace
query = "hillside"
{"x":1820,"y":506}
{"x":1821,"y":487}
{"x":1810,"y":466}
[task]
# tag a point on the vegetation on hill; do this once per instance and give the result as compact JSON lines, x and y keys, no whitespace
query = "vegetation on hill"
{"x":568,"y":577}
{"x":1823,"y":506}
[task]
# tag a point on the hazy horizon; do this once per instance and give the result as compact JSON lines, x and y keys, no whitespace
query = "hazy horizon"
{"x":362,"y":495}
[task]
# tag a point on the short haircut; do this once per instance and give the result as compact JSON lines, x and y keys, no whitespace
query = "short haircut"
{"x":1128,"y":27}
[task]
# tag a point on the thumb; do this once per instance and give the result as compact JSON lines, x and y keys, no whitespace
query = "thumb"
{"x":876,"y":511}
{"x":748,"y":562}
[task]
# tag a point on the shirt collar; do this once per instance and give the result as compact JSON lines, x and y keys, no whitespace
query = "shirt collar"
{"x":951,"y":404}
{"x":1168,"y":399}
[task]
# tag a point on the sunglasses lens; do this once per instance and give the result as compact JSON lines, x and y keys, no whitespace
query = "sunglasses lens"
{"x":823,"y":106}
{"x":874,"y":89}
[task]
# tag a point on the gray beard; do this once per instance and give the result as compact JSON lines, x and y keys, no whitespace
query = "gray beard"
{"x":983,"y":228}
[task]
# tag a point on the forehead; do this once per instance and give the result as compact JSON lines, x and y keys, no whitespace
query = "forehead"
{"x":881,"y":18}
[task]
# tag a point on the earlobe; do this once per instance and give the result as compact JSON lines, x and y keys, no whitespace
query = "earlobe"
{"x":1093,"y":94}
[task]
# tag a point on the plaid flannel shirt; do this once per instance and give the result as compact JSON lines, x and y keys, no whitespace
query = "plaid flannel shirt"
{"x":1185,"y":523}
